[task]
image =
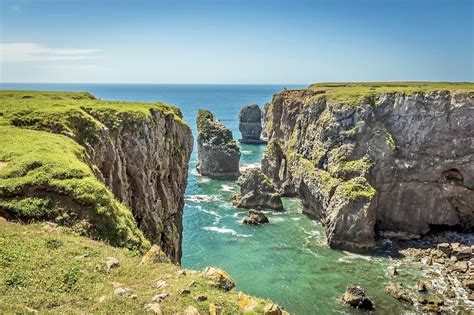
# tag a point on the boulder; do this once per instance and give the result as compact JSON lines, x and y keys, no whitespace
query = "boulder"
{"x":355,"y":297}
{"x":155,"y":255}
{"x":257,"y":192}
{"x":218,"y":153}
{"x":256,"y":218}
{"x":111,"y":262}
{"x":250,"y":124}
{"x":154,"y":308}
{"x":219,"y":278}
{"x":398,"y":291}
{"x":191,"y":310}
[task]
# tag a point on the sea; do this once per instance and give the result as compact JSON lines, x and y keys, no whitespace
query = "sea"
{"x":286,"y":261}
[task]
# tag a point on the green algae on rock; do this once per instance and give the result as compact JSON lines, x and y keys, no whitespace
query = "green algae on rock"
{"x":218,"y":153}
{"x":89,"y":163}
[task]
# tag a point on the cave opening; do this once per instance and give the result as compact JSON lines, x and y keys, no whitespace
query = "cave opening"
{"x":453,"y":176}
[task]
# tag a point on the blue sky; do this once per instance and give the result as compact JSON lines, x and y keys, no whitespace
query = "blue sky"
{"x":218,"y":41}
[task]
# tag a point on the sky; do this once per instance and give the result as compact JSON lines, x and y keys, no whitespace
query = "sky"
{"x":224,"y":41}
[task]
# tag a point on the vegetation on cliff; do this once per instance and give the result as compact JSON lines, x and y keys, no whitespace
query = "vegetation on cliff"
{"x":353,"y":93}
{"x":213,"y":132}
{"x":52,"y":269}
{"x":45,"y":170}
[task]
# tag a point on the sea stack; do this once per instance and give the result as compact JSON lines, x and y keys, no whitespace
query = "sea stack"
{"x":218,"y":153}
{"x":250,"y":124}
{"x":257,"y":192}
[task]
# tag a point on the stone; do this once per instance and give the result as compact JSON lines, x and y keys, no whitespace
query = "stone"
{"x":155,"y":255}
{"x":463,"y":252}
{"x":185,"y":292}
{"x":201,"y":298}
{"x":246,"y":303}
{"x":215,"y":309}
{"x":181,"y":272}
{"x":445,"y":248}
{"x":160,"y":284}
{"x":102,"y":298}
{"x":218,"y":153}
{"x":111,"y":263}
{"x":420,"y":286}
{"x":374,"y":163}
{"x":392,"y":271}
{"x":154,"y":308}
{"x":355,"y":296}
{"x":250,"y":124}
{"x":191,"y":310}
{"x":273,"y":309}
{"x":159,"y":297}
{"x":256,"y":218}
{"x":449,"y":293}
{"x":219,"y":278}
{"x":398,"y":291}
{"x":257,"y":192}
{"x":123,"y":292}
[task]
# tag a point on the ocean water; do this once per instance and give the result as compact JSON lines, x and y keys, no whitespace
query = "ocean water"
{"x":286,"y":261}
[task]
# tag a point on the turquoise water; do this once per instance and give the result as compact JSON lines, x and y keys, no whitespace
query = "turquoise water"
{"x":285,"y":261}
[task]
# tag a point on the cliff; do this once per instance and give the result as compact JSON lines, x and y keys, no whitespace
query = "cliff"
{"x":375,"y":159}
{"x":102,"y":168}
{"x":218,"y":153}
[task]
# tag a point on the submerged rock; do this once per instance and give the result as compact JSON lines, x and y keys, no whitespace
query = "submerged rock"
{"x":250,"y":124}
{"x":257,"y":192}
{"x":355,"y":297}
{"x":219,"y":278}
{"x":218,"y":153}
{"x":256,"y":218}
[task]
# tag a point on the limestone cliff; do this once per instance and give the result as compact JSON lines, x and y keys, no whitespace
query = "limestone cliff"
{"x":102,"y":168}
{"x":218,"y":153}
{"x":370,"y":160}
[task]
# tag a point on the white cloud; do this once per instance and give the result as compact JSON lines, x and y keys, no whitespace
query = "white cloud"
{"x":21,"y":52}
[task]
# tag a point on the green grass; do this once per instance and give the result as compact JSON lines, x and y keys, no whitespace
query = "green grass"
{"x":353,"y":93}
{"x":53,"y":270}
{"x":212,"y":131}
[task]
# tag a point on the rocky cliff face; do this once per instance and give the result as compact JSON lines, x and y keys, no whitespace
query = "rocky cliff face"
{"x":102,"y":168}
{"x":250,"y":124}
{"x":395,"y":164}
{"x":139,"y":164}
{"x":218,"y":153}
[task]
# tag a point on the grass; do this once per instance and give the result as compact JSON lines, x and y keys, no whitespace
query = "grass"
{"x":54,"y":270}
{"x":353,"y":93}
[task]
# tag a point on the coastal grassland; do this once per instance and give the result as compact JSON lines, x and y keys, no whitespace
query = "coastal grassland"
{"x":54,"y":270}
{"x":354,"y":92}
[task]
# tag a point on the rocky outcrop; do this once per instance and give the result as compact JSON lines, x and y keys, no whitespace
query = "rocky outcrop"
{"x":250,"y":124}
{"x":218,"y":153}
{"x":256,"y":218}
{"x":367,"y":164}
{"x":257,"y":192}
{"x":355,"y":297}
{"x":138,"y":163}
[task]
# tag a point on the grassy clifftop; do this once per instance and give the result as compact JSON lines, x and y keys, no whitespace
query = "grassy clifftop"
{"x":45,"y":173}
{"x":353,"y":92}
{"x":53,"y":270}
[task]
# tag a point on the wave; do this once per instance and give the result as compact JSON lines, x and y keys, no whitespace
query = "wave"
{"x":201,"y":198}
{"x":351,"y":256}
{"x":246,"y":152}
{"x":224,"y":231}
{"x":227,"y":187}
{"x":245,"y":167}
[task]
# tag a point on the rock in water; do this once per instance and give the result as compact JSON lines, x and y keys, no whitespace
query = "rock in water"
{"x":250,"y":124}
{"x":396,"y":163}
{"x":256,"y":218}
{"x":218,"y":153}
{"x":257,"y":192}
{"x":355,"y":297}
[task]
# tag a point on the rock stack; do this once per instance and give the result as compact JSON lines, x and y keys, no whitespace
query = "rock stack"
{"x":218,"y":153}
{"x":250,"y":124}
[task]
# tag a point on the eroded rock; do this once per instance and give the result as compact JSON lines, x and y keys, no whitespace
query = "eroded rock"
{"x":256,"y":218}
{"x":355,"y":297}
{"x":250,"y":124}
{"x":219,"y":278}
{"x":218,"y":153}
{"x":257,"y":192}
